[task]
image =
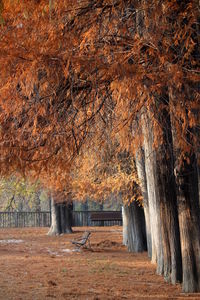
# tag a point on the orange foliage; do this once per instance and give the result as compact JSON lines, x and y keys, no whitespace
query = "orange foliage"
{"x":73,"y":65}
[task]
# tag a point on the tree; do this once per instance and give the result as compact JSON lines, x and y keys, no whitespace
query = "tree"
{"x":123,"y":62}
{"x":18,"y":193}
{"x":61,"y":215}
{"x":135,"y":237}
{"x":140,"y":165}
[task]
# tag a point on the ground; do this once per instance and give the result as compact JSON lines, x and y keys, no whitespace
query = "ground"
{"x":36,"y":266}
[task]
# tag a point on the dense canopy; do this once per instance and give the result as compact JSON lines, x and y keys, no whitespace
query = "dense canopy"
{"x":86,"y":83}
{"x":67,"y":64}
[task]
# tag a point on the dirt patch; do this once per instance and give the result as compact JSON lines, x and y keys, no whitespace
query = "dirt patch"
{"x":108,"y":244}
{"x":40,"y":268}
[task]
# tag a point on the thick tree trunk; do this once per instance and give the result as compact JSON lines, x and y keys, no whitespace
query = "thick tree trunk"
{"x":168,"y":201}
{"x":136,"y":234}
{"x":162,"y":200}
{"x":189,"y":220}
{"x":186,"y":175}
{"x":140,"y":165}
{"x":169,"y":221}
{"x":61,"y":218}
{"x":55,"y":216}
{"x":153,"y":193}
{"x":68,"y":208}
{"x":170,"y":236}
{"x":150,"y":162}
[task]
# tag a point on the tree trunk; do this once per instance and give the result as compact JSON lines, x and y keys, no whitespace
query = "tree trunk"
{"x":189,"y":220}
{"x":162,"y":199}
{"x":153,"y":193}
{"x":170,"y":234}
{"x":167,"y":197}
{"x":136,"y":234}
{"x":55,"y":216}
{"x":61,"y":218}
{"x":186,"y":175}
{"x":140,"y":165}
{"x":169,"y":220}
{"x":68,"y":218}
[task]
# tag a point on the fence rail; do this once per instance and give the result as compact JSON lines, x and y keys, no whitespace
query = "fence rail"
{"x":25,"y":219}
{"x":43,"y":219}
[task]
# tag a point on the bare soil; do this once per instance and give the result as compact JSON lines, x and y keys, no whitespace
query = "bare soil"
{"x":36,"y":266}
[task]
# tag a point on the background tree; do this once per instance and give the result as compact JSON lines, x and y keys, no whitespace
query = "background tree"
{"x":18,"y":194}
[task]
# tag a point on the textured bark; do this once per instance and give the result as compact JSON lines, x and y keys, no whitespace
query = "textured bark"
{"x":186,"y":175}
{"x":136,"y":234}
{"x":55,"y":228}
{"x":168,"y":201}
{"x":61,"y":218}
{"x":189,"y":220}
{"x":153,"y":193}
{"x":162,"y":200}
{"x":68,"y":218}
{"x":169,"y":223}
{"x":140,"y":165}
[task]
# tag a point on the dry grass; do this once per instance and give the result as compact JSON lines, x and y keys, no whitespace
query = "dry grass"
{"x":41,"y":267}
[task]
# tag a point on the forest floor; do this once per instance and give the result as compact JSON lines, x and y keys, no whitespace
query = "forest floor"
{"x":36,"y":266}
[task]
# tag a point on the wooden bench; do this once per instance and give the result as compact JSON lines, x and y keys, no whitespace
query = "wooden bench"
{"x":83,"y":241}
{"x":106,"y":216}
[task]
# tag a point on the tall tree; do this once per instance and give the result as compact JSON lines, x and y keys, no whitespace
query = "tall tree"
{"x":94,"y":59}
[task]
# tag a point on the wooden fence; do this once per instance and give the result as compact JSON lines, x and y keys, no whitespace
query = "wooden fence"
{"x":25,"y":219}
{"x":43,"y":219}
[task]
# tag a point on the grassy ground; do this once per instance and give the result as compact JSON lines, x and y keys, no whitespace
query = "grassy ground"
{"x":36,"y":266}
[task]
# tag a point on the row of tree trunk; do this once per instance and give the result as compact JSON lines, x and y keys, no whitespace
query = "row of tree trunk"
{"x":168,"y":225}
{"x":170,"y":189}
{"x":170,"y":179}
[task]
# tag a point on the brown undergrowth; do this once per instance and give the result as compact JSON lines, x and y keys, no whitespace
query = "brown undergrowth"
{"x":41,"y":267}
